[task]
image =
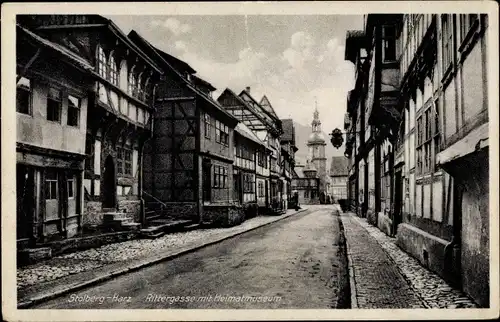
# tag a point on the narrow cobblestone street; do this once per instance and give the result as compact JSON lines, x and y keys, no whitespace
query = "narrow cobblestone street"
{"x":296,"y":263}
{"x":387,"y":277}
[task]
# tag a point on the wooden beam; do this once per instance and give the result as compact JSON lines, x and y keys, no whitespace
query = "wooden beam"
{"x":28,"y":65}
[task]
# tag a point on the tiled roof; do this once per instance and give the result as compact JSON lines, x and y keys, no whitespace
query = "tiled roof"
{"x":339,"y":166}
{"x":298,"y":170}
{"x":243,"y":130}
{"x":138,"y":38}
{"x":79,"y":61}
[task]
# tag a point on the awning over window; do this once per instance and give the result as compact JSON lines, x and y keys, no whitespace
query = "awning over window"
{"x":472,"y":142}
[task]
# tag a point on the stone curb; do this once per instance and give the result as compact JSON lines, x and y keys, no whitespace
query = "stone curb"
{"x":141,"y":264}
{"x":352,"y":280}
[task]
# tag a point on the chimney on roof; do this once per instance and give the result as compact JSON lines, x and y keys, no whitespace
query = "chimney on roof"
{"x":247,"y":89}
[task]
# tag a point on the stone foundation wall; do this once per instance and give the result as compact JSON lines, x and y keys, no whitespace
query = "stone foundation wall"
{"x":223,"y":215}
{"x":426,"y":248}
{"x":92,"y":213}
{"x":132,"y":208}
{"x":181,"y":210}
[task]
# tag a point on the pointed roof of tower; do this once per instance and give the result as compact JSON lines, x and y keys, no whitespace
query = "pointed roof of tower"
{"x":317,"y":136}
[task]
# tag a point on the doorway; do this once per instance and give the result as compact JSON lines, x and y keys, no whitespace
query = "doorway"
{"x":109,"y":184}
{"x":398,"y":202}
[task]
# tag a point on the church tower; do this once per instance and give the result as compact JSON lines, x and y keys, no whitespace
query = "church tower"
{"x":316,"y":145}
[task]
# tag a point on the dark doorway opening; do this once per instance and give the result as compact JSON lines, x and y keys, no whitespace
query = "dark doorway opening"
{"x":398,"y":201}
{"x":109,"y":184}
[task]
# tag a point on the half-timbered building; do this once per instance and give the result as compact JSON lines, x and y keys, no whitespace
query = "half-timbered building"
{"x":249,"y":152}
{"x":189,"y":161}
{"x":119,"y":113}
{"x":253,"y":117}
{"x":288,"y":149}
{"x":51,"y":105}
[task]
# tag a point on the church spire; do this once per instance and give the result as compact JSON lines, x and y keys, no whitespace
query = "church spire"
{"x":316,"y":123}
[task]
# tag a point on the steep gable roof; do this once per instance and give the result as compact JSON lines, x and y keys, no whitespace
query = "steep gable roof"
{"x":276,"y":121}
{"x":248,"y":114}
{"x":264,"y":102}
{"x":134,"y":36}
{"x":339,"y":166}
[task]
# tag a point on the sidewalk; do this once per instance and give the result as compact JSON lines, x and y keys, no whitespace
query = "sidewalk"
{"x":66,"y":273}
{"x":384,"y":276}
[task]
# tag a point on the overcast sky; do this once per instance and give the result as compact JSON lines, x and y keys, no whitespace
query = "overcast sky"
{"x":292,"y":59}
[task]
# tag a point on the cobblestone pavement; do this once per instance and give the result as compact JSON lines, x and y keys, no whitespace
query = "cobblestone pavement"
{"x":431,"y":289}
{"x":295,"y":263}
{"x":77,"y":262}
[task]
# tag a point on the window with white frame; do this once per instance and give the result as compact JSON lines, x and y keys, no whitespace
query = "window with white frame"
{"x":220,"y":177}
{"x":248,"y":183}
{"x":132,"y":83}
{"x":389,"y":43}
{"x":261,"y":189}
{"x":208,"y":125}
{"x":23,"y":96}
{"x":51,"y":185}
{"x":447,"y":40}
{"x":71,"y":187}
{"x":54,"y":105}
{"x":102,"y":66}
{"x":221,"y":133}
{"x":73,"y":111}
{"x":113,"y":70}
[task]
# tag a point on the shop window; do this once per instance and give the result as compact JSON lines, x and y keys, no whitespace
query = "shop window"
{"x":73,"y":110}
{"x":23,"y":96}
{"x":54,"y":104}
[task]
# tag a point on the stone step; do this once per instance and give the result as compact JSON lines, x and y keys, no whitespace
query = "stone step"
{"x":131,"y":226}
{"x":192,"y":227}
{"x":159,"y":227}
{"x":110,"y":216}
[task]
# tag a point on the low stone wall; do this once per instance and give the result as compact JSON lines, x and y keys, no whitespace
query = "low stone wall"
{"x":181,"y":210}
{"x":93,"y":214}
{"x":426,"y":248}
{"x":384,"y":223}
{"x":223,"y":215}
{"x":371,"y":217}
{"x":33,"y":255}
